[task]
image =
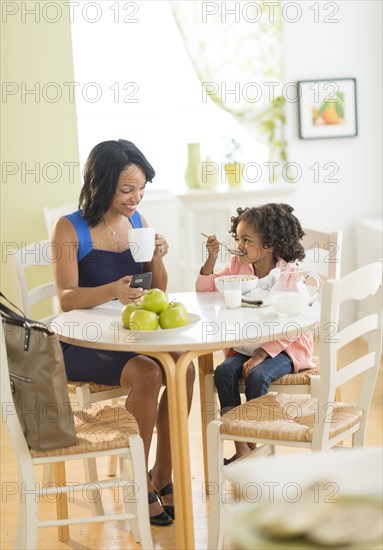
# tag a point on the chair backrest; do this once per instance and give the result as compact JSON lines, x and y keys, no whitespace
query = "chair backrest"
{"x":52,"y":214}
{"x":323,"y":253}
{"x":363,"y":284}
{"x":38,"y":254}
{"x":8,"y":409}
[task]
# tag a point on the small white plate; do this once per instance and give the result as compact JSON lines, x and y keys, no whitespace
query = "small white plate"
{"x":193,"y":319}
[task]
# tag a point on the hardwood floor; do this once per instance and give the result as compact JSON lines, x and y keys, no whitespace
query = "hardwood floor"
{"x":117,"y":535}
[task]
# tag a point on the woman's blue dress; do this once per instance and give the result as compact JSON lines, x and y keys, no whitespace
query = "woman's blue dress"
{"x":98,"y":267}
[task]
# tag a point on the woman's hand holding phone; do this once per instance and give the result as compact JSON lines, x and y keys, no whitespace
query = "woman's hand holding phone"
{"x":141,"y":280}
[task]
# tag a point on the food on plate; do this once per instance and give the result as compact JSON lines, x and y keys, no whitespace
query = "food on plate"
{"x":353,"y":522}
{"x":248,"y":282}
{"x":154,"y":300}
{"x":143,"y":319}
{"x":126,"y":313}
{"x":154,"y":311}
{"x":288,"y":519}
{"x":233,"y":278}
{"x":339,"y":521}
{"x":178,"y":304}
{"x":174,"y":316}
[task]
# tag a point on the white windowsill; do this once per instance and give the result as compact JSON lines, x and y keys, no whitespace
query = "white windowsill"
{"x":206,"y":194}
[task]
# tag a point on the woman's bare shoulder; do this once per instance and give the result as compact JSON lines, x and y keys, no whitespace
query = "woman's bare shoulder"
{"x":63,"y":228}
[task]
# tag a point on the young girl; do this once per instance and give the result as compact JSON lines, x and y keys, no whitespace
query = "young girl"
{"x":269,"y":237}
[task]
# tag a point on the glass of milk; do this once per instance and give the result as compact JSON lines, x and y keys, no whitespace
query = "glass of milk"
{"x":232,"y":292}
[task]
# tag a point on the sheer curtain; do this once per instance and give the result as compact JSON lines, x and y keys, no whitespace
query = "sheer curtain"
{"x":235,"y":48}
{"x":134,"y":79}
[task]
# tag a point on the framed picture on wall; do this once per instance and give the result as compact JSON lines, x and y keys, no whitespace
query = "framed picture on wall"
{"x":327,"y":108}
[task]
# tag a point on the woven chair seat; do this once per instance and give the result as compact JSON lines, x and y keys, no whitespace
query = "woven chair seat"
{"x":98,"y":430}
{"x":301,"y":378}
{"x":93,"y":387}
{"x":286,"y":417}
{"x":298,"y":378}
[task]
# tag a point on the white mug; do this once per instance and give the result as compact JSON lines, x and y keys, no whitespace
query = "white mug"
{"x":141,"y":243}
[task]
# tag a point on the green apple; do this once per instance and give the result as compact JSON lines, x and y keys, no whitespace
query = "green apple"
{"x":142,"y":319}
{"x":179,"y":304}
{"x":154,"y":300}
{"x":126,"y":313}
{"x":174,"y":316}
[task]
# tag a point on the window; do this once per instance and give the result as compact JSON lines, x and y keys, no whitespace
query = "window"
{"x":136,"y":82}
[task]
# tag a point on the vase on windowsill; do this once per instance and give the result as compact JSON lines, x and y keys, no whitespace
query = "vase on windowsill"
{"x":233,"y":167}
{"x":210,"y":174}
{"x":200,"y":175}
{"x":193,"y":169}
{"x":234,"y":174}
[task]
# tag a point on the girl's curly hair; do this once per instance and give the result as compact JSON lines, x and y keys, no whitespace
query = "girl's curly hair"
{"x":277,"y":227}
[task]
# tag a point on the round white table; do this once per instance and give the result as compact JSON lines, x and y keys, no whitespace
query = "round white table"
{"x":218,"y":328}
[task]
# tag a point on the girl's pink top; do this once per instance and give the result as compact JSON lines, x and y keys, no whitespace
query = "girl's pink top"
{"x":299,"y":350}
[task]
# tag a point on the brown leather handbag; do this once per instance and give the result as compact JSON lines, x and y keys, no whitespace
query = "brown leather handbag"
{"x":38,"y":381}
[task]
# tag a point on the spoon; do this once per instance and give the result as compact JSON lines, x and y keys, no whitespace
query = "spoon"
{"x":234,"y":252}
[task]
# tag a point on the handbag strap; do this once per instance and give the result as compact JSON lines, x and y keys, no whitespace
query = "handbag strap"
{"x":9,"y":312}
{"x":28,"y":324}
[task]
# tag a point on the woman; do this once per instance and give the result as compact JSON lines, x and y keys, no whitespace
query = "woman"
{"x":96,"y":265}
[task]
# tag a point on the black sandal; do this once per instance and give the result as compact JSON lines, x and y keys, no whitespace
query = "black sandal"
{"x":227,"y":461}
{"x":163,"y":519}
{"x":167,"y":490}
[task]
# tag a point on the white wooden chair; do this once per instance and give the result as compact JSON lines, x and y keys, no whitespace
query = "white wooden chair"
{"x":323,"y":253}
{"x":41,"y":255}
{"x":108,"y":432}
{"x":316,"y":423}
{"x":323,"y":256}
{"x":52,"y":214}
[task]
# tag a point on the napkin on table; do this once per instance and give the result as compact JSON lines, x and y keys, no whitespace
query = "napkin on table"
{"x":252,"y":298}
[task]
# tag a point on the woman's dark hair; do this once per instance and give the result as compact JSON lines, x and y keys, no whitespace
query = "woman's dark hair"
{"x":102,"y":169}
{"x":277,"y":227}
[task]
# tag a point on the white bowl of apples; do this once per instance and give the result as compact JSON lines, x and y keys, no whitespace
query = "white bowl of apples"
{"x":154,"y":314}
{"x":248,"y":282}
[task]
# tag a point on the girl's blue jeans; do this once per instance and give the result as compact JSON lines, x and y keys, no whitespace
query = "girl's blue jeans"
{"x":228,"y":374}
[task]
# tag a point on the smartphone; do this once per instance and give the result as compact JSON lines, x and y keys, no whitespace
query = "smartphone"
{"x":142,"y":280}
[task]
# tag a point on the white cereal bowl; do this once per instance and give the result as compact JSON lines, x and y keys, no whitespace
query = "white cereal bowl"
{"x":248,"y":282}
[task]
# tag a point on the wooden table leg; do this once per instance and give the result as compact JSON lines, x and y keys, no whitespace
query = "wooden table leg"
{"x":183,"y":438}
{"x":205,"y":366}
{"x":61,"y":503}
{"x":178,"y":416}
{"x":179,"y":438}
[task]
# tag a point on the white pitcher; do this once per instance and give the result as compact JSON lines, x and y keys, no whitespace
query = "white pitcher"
{"x":289,"y":294}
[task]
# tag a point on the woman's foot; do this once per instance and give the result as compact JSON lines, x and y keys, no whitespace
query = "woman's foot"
{"x":165,"y":496}
{"x":242,"y":449}
{"x":161,"y":518}
{"x":227,"y":461}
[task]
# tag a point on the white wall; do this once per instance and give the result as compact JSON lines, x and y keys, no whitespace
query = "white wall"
{"x":39,"y":136}
{"x":349,"y":48}
{"x":160,"y":209}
